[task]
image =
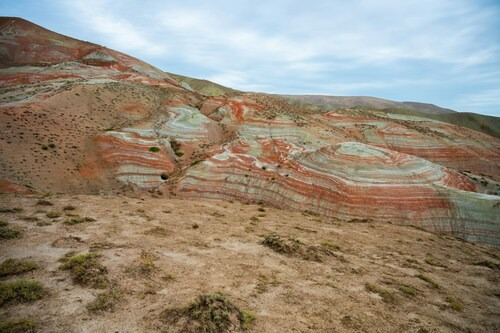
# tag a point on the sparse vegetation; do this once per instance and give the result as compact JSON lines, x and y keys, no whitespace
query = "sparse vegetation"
{"x":282,"y":245}
{"x":53,"y":214}
{"x":17,"y":325}
{"x":246,"y":319}
{"x":488,"y":263}
{"x":69,"y":207}
{"x":293,"y":247}
{"x":20,"y":290}
{"x":428,"y":280}
{"x":386,"y":295}
{"x":30,"y":218}
{"x":455,"y":304}
{"x":330,"y":246}
{"x":146,"y":265}
{"x":72,"y":220}
{"x":16,"y":266}
{"x":105,"y":302}
{"x":210,"y":313}
{"x":43,"y":202}
{"x":408,"y":290}
{"x":157,"y":231}
{"x":86,"y":270}
{"x":11,"y":210}
{"x":433,"y":262}
{"x":154,"y":149}
{"x":8,"y":233}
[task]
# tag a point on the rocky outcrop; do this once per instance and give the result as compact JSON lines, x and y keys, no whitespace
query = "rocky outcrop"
{"x":80,"y":118}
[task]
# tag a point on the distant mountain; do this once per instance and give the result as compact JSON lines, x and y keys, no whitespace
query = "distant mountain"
{"x":478,"y":122}
{"x":338,"y":102}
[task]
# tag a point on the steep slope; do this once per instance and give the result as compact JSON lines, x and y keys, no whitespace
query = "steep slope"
{"x":79,"y":118}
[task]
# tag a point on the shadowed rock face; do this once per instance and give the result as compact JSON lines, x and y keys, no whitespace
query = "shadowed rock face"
{"x":76,"y":117}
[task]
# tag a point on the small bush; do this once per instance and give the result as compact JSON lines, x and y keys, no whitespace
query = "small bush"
{"x":179,"y":153}
{"x":17,"y":325}
{"x":72,"y":220}
{"x":246,"y":319}
{"x":53,"y":214}
{"x":11,"y":210}
{"x":86,"y":270}
{"x":3,"y":224}
{"x":8,"y":233}
{"x":410,"y":291}
{"x":455,"y":304}
{"x":386,"y":295}
{"x":488,"y":263}
{"x":281,"y":245}
{"x":210,"y":313}
{"x":69,"y":207}
{"x":157,"y":231}
{"x":51,"y":145}
{"x":330,"y":246}
{"x":43,"y":202}
{"x":154,"y":149}
{"x":146,"y":265}
{"x":428,"y":280}
{"x":15,"y":266}
{"x":21,"y":290}
{"x":105,"y":301}
{"x":30,"y":218}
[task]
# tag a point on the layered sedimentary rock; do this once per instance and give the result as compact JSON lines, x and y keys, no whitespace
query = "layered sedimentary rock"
{"x":80,"y":118}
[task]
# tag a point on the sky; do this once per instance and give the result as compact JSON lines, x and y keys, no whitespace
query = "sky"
{"x":445,"y":52}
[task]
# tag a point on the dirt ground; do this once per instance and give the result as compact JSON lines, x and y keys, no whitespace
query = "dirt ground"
{"x":353,"y":276}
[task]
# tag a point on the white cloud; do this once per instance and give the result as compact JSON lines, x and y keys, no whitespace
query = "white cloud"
{"x":355,"y":47}
{"x":117,"y":31}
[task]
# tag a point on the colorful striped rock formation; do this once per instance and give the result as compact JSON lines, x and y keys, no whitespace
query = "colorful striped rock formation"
{"x":76,"y":117}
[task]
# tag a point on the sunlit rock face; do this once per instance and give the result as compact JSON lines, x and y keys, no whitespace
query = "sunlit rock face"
{"x":76,"y":117}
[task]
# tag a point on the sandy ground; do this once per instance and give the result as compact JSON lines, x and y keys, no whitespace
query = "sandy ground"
{"x":198,"y":247}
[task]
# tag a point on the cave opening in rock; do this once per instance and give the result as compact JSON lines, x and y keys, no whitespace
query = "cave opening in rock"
{"x":164,"y":176}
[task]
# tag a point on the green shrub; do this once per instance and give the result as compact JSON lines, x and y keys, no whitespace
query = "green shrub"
{"x":21,"y":290}
{"x":53,"y":214}
{"x":209,"y":313}
{"x":16,"y":266}
{"x":11,"y":210}
{"x":154,"y":149}
{"x":86,"y":270}
{"x":428,"y":280}
{"x":8,"y":233}
{"x":282,"y":245}
{"x":17,"y":325}
{"x":455,"y":304}
{"x":72,"y":220}
{"x":386,"y":295}
{"x":105,"y":301}
{"x":410,"y":291}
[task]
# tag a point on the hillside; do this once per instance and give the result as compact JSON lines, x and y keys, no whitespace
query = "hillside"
{"x":84,"y":119}
{"x":134,"y":200}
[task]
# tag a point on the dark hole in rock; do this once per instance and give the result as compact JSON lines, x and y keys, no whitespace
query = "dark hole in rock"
{"x":164,"y":176}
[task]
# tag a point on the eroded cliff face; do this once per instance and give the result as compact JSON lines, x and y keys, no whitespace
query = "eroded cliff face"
{"x":76,"y":117}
